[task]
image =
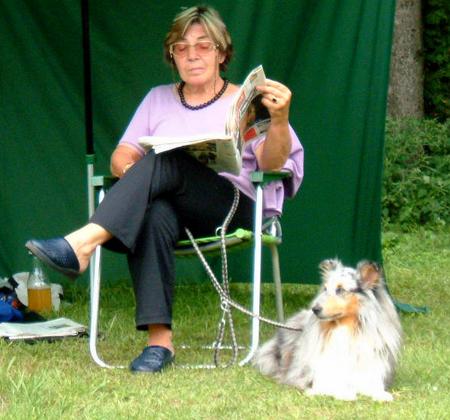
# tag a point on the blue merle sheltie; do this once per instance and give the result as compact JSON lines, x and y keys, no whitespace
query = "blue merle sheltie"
{"x":349,"y":338}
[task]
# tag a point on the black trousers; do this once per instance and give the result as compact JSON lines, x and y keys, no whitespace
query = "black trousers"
{"x":146,"y":212}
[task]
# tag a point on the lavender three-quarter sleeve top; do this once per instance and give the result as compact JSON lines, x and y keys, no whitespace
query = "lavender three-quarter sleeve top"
{"x":162,"y":114}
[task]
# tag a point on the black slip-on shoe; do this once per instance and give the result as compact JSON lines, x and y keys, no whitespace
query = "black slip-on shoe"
{"x":57,"y":254}
{"x":152,"y":359}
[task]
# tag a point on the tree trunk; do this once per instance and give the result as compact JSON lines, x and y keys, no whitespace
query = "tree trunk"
{"x":405,"y":96}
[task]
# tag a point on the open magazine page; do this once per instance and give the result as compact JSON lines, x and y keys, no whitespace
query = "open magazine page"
{"x":221,"y":156}
{"x":162,"y":144}
{"x":248,"y":118}
{"x":256,"y":120}
{"x":216,"y":150}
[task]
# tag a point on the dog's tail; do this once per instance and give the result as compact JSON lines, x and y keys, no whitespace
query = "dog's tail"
{"x":274,"y":356}
{"x":268,"y":358}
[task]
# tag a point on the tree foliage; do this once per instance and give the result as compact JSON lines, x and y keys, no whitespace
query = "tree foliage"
{"x":436,"y":37}
{"x":416,"y":181}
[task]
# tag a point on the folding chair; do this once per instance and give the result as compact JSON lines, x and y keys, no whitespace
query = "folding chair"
{"x":269,"y":235}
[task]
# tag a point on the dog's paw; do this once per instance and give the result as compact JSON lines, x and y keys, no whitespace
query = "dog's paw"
{"x":339,"y":395}
{"x":310,"y":392}
{"x":382,"y":396}
{"x":345,"y":396}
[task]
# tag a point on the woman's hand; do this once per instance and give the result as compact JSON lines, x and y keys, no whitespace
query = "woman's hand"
{"x":276,"y":98}
{"x":274,"y":151}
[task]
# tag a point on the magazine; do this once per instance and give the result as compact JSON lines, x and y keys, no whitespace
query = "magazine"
{"x":246,"y":120}
{"x":56,"y":328}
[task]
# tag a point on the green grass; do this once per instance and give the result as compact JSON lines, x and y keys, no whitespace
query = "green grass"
{"x":58,"y":380}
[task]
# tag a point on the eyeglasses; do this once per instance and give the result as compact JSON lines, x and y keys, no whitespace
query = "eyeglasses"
{"x":181,"y":49}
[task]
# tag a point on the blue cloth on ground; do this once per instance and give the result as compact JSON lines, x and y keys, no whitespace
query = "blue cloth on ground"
{"x":8,"y":312}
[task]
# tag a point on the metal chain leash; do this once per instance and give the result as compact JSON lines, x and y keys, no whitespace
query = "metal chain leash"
{"x":226,"y":310}
{"x":224,"y":292}
{"x":229,"y":301}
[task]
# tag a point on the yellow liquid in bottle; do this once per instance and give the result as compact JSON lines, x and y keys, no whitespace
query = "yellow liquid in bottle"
{"x":40,"y":299}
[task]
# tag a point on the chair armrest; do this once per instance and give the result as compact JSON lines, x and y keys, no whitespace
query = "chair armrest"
{"x":105,"y":181}
{"x":257,"y":177}
{"x":264,"y":178}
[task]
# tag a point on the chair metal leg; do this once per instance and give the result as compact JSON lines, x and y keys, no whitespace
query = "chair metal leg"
{"x":95,"y":297}
{"x":95,"y":277}
{"x":277,"y":282}
{"x":256,"y":293}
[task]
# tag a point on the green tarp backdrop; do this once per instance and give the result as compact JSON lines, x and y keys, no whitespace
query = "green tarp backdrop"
{"x":333,"y":54}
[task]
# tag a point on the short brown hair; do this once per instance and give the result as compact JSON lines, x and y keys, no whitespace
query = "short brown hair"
{"x":213,"y":24}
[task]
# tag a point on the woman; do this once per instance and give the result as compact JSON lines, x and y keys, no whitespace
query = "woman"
{"x":145,"y":213}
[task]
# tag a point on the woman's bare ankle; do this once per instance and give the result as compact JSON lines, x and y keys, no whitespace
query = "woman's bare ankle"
{"x":84,"y":241}
{"x":160,"y":335}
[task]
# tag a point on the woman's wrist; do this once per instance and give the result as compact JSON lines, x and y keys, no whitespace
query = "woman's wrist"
{"x":280,"y":121}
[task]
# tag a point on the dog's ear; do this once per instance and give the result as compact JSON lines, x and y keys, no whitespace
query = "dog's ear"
{"x":371,"y":274}
{"x":327,"y":265}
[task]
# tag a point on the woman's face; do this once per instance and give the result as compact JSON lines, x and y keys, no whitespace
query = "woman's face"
{"x":196,"y":58}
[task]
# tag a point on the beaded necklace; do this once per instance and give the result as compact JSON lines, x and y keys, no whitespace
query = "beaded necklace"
{"x":204,"y":105}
